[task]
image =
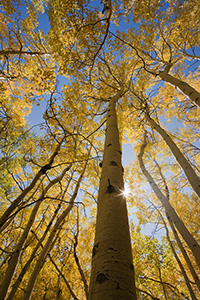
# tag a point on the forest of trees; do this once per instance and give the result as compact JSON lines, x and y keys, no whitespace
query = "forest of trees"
{"x":107,"y":73}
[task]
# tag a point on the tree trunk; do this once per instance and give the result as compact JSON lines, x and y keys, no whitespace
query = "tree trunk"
{"x":183,"y":271}
{"x":184,"y":253}
{"x":16,"y":202}
{"x":189,"y":239}
{"x":33,"y":255}
{"x":63,"y":277}
{"x":187,"y":281}
{"x":176,"y":236}
{"x":187,"y":168}
{"x":183,"y":86}
{"x":112,"y":275}
{"x":19,"y":247}
{"x":17,"y":253}
{"x":43,"y":254}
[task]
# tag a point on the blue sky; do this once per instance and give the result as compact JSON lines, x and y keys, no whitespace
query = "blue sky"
{"x":37,"y":111}
{"x":36,"y":116}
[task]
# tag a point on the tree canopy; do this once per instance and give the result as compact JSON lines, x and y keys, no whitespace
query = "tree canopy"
{"x":71,"y":58}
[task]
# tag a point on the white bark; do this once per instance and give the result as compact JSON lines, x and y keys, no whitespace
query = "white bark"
{"x":189,"y":239}
{"x":184,"y":253}
{"x":183,"y":86}
{"x":187,"y":281}
{"x":187,"y":168}
{"x":17,"y":254}
{"x":19,"y":248}
{"x":33,"y":254}
{"x":43,"y":254}
{"x":112,"y":275}
{"x":179,"y":243}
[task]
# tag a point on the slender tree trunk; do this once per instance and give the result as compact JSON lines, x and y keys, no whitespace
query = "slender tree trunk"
{"x":41,"y":172}
{"x":184,"y":253}
{"x":20,"y":52}
{"x":179,"y":243}
{"x":43,"y":254}
{"x":58,"y":269}
{"x":78,"y":262}
{"x":183,"y":162}
{"x":19,"y":248}
{"x":64,"y":278}
{"x":189,"y":239}
{"x":148,"y":294}
{"x":28,"y":263}
{"x":112,"y":275}
{"x":162,"y":283}
{"x":183,"y":86}
{"x":17,"y":254}
{"x":187,"y":281}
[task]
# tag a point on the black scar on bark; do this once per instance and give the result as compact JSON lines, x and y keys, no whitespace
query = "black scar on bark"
{"x":120,"y":152}
{"x":94,"y":250}
{"x":109,"y":145}
{"x":101,"y":278}
{"x":113,"y":163}
{"x":118,"y":286}
{"x":112,"y":249}
{"x":131,"y":266}
{"x":110,"y":188}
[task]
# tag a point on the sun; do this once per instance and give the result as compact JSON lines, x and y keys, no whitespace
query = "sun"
{"x":126,"y":191}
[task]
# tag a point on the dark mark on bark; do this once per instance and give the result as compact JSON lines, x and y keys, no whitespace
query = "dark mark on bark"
{"x":112,"y":249}
{"x":118,"y":286}
{"x":110,"y":188}
{"x":101,"y":278}
{"x":113,"y":163}
{"x":131,"y":266}
{"x":94,"y":250}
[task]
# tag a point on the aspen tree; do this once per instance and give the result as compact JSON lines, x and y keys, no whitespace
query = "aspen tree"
{"x":187,"y":281}
{"x":40,"y":173}
{"x":112,"y":275}
{"x":188,"y":90}
{"x":179,"y":243}
{"x":183,"y":271}
{"x":49,"y":241}
{"x":183,"y":162}
{"x":184,"y":253}
{"x":33,"y":254}
{"x":189,"y":239}
{"x":63,"y":277}
{"x":19,"y":247}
